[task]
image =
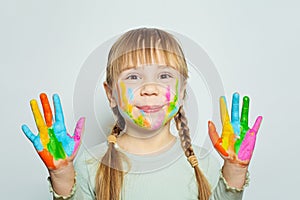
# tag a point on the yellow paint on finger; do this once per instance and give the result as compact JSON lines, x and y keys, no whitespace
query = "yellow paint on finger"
{"x":227,"y":132}
{"x":40,"y":123}
{"x":224,"y":111}
{"x":227,"y":135}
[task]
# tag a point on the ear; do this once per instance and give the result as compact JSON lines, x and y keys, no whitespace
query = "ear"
{"x":108,"y":91}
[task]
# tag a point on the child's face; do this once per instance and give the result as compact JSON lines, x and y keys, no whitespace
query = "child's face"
{"x":149,"y":95}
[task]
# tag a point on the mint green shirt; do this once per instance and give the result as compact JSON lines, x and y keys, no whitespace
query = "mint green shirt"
{"x":163,"y":176}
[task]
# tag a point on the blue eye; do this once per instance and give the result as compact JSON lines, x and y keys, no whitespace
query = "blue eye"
{"x":165,"y":76}
{"x":132,"y":77}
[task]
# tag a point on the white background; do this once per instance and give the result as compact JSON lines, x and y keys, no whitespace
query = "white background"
{"x":254,"y":45}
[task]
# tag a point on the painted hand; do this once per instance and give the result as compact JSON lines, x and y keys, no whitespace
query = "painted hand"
{"x":53,"y":144}
{"x":237,"y":141}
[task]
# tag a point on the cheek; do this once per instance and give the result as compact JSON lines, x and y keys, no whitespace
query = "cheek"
{"x":122,"y":93}
{"x":125,"y":96}
{"x":168,"y":94}
{"x":130,"y":94}
{"x":171,"y":94}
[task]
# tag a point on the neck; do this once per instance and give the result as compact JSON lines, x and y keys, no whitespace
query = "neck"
{"x":149,"y":142}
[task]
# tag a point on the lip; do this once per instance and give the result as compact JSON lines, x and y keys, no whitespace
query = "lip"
{"x":150,"y":109}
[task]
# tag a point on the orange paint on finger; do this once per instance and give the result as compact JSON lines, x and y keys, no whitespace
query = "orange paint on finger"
{"x":231,"y":143}
{"x":47,"y":109}
{"x":220,"y":149}
{"x":47,"y":158}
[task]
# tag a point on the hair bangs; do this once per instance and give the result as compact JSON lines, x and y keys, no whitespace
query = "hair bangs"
{"x":145,"y":47}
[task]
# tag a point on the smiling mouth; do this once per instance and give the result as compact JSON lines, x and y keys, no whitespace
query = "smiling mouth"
{"x":150,"y":109}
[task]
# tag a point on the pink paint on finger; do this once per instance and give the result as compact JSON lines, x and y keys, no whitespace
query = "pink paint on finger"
{"x":257,"y":124}
{"x":78,"y":132}
{"x":247,"y":146}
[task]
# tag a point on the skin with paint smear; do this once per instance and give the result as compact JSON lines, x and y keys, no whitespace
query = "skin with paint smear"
{"x":53,"y":144}
{"x":237,"y":140}
{"x":131,"y":90}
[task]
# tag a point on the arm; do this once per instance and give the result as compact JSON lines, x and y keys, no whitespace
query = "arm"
{"x":63,"y":182}
{"x":54,"y":145}
{"x":84,"y":174}
{"x":236,"y":143}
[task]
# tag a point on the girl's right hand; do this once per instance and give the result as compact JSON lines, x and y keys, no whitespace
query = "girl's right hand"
{"x":54,"y":145}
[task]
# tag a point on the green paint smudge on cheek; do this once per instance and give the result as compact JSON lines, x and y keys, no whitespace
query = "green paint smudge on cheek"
{"x":172,"y":105}
{"x":141,"y":121}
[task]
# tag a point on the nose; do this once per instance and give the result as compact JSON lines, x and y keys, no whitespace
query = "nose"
{"x":149,"y":90}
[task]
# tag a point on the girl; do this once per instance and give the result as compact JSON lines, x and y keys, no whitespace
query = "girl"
{"x":145,"y":86}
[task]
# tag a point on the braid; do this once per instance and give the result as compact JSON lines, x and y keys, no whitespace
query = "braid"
{"x":110,"y":174}
{"x":184,"y":135}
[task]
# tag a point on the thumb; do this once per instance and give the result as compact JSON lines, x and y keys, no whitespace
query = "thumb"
{"x":215,"y":139}
{"x":214,"y":136}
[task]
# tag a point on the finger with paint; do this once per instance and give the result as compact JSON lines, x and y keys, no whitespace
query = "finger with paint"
{"x":248,"y":144}
{"x":235,"y":115}
{"x":216,"y":140}
{"x":244,"y":127}
{"x":227,"y":130}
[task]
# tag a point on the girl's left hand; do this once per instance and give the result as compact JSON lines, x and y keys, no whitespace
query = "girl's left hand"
{"x":237,"y":141}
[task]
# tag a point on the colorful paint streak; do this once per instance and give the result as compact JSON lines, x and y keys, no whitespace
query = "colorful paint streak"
{"x":173,"y":105}
{"x":127,"y":96}
{"x":168,"y":94}
{"x":128,"y":107}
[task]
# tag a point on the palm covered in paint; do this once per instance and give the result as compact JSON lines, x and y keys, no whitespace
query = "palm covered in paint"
{"x":53,"y":144}
{"x":237,"y":141}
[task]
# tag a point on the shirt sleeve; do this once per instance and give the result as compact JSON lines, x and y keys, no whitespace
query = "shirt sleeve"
{"x":224,"y":192}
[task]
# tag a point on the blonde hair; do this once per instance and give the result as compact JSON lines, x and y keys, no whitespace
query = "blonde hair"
{"x":134,"y":48}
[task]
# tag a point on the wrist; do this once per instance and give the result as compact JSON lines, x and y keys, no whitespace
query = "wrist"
{"x":63,"y":179}
{"x":234,"y":174}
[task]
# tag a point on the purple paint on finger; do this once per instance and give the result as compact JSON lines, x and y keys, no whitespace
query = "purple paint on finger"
{"x":77,"y":133}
